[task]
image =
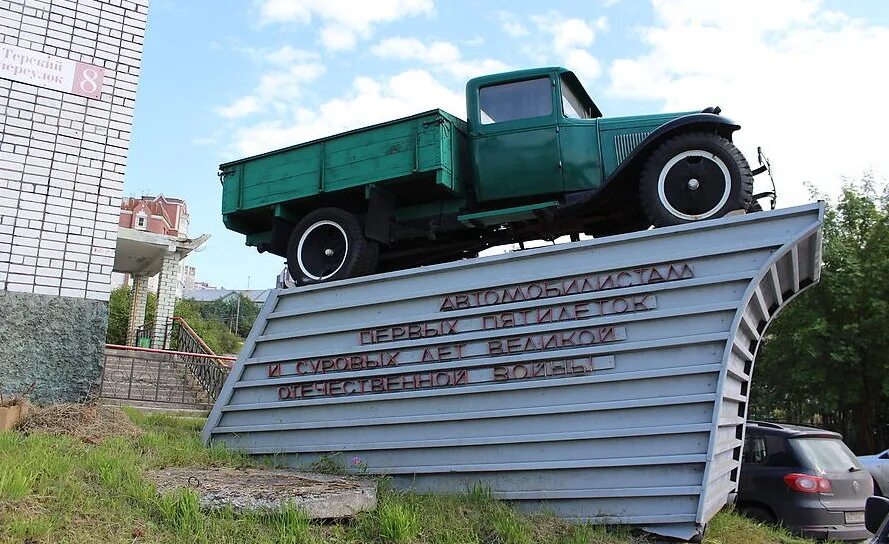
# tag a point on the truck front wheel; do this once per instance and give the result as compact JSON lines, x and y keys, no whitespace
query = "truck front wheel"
{"x":694,"y":176}
{"x":329,"y":244}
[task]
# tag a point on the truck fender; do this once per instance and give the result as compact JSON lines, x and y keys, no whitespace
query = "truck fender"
{"x":695,"y":121}
{"x":580,"y":201}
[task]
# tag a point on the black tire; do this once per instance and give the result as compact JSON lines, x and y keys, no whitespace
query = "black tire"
{"x":694,"y":176}
{"x":759,"y":514}
{"x":329,"y":244}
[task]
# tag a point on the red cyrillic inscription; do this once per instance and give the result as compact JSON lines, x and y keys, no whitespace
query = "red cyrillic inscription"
{"x":543,"y":369}
{"x":408,"y":332}
{"x":568,"y":312}
{"x":564,"y":339}
{"x":381,"y":384}
{"x":340,"y":363}
{"x":567,"y":286}
{"x":445,"y":352}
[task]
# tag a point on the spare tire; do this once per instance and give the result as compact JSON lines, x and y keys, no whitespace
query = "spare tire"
{"x":694,"y":176}
{"x":329,"y":244}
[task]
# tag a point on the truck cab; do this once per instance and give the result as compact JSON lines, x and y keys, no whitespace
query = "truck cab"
{"x":518,"y":128}
{"x":535,"y":159}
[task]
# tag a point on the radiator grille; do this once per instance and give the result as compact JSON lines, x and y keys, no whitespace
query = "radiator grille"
{"x":624,"y":144}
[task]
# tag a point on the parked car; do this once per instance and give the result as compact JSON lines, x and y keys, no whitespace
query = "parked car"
{"x":878,"y":466}
{"x":804,"y":478}
{"x":876,"y":513}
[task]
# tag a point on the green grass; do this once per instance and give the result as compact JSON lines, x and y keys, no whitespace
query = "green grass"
{"x":58,"y":490}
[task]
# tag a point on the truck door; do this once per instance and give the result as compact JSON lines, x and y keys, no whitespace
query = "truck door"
{"x":515,"y":142}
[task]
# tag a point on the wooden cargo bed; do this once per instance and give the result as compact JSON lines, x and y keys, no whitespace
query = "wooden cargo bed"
{"x":423,"y":146}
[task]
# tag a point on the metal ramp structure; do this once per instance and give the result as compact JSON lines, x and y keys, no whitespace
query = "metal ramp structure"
{"x":606,"y":380}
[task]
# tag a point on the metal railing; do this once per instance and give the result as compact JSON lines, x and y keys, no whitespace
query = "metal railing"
{"x":143,"y":335}
{"x":162,"y":376}
{"x":183,"y":338}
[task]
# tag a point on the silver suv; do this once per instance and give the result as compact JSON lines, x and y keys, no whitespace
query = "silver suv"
{"x":804,"y":478}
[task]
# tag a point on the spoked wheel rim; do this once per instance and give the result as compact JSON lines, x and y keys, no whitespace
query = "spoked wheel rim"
{"x":694,"y":185}
{"x":322,"y":250}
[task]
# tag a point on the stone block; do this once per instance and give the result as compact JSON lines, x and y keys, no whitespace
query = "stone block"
{"x":54,"y":342}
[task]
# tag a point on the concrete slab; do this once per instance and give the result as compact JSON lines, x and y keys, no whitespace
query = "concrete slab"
{"x":141,"y":252}
{"x":320,"y":496}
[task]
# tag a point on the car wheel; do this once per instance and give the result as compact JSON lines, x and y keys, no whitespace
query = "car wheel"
{"x":694,"y":176}
{"x":758,"y":513}
{"x":329,"y":244}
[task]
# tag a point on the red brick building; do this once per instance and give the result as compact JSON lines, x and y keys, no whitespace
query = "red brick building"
{"x":160,"y":215}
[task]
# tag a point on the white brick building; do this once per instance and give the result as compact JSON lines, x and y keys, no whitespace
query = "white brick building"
{"x":68,"y":76}
{"x":62,"y":155}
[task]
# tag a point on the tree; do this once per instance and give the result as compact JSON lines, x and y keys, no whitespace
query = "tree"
{"x":238,"y":312}
{"x":118,"y":315}
{"x":215,"y":332}
{"x":825,"y":359}
{"x":213,"y":321}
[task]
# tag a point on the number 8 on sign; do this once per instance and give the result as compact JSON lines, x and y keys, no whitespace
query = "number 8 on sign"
{"x":88,"y":80}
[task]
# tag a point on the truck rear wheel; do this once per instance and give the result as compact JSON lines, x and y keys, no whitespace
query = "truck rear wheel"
{"x":694,"y":176}
{"x":329,"y":244}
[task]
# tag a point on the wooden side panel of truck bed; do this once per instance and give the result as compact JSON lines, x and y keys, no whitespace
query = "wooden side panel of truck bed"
{"x":426,"y":144}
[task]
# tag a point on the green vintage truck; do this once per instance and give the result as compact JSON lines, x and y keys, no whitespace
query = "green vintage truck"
{"x":535,"y":160}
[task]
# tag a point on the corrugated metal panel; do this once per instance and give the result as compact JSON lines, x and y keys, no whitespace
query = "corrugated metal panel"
{"x":607,"y":378}
{"x":624,"y":144}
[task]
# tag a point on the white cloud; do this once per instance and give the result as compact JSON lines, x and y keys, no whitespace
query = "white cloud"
{"x":582,"y":63}
{"x":510,"y":24}
{"x":369,"y":101}
{"x":277,"y":88}
{"x":283,"y":55}
{"x":288,"y":55}
{"x":795,"y":75}
{"x":343,"y":22}
{"x":571,"y":38}
{"x":441,"y":56}
{"x":602,"y":24}
{"x":239,"y":108}
{"x":572,"y":33}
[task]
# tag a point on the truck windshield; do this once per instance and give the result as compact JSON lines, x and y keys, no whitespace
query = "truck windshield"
{"x":825,"y":454}
{"x":572,"y":104}
{"x":516,"y":100}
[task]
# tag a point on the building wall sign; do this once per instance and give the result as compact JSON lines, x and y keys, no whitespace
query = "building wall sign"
{"x":604,"y":380}
{"x":43,"y":70}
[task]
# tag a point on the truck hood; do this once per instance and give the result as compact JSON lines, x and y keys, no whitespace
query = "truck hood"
{"x":641,"y":120}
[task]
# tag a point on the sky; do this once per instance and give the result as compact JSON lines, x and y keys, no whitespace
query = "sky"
{"x":224,"y":79}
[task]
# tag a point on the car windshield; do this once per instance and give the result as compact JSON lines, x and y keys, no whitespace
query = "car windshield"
{"x":825,"y":454}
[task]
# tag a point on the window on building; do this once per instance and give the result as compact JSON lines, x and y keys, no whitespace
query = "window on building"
{"x":517,"y":100}
{"x":141,"y":222}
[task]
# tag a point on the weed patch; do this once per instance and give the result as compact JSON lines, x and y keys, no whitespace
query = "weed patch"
{"x":180,"y":510}
{"x":60,"y":488}
{"x":397,"y":522}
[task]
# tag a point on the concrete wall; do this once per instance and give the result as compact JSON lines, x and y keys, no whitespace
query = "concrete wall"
{"x":63,"y":155}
